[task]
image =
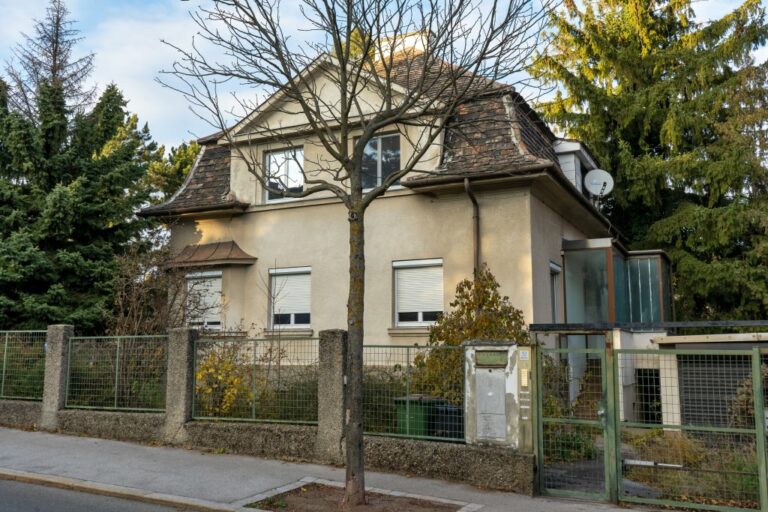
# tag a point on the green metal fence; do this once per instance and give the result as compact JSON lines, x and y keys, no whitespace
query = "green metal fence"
{"x":117,"y":373}
{"x":23,"y":364}
{"x":665,"y":427}
{"x":572,"y":429}
{"x":264,"y":380}
{"x":691,"y":428}
{"x":414,"y":391}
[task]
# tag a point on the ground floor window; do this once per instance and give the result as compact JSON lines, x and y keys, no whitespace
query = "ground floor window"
{"x":418,"y":292}
{"x":202,"y":304}
{"x":290,"y":296}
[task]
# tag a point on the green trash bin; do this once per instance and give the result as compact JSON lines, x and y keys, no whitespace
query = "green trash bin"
{"x":414,"y":413}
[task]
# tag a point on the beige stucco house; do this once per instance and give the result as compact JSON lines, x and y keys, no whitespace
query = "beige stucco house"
{"x":280,"y":265}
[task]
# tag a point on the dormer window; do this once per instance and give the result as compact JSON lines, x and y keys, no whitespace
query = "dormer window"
{"x":381,"y":158}
{"x":284,"y":171}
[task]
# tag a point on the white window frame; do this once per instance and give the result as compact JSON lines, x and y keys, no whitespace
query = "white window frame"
{"x":265,"y":158}
{"x":199,"y":276}
{"x":407,"y":264}
{"x":378,"y":160}
{"x":555,"y":290}
{"x":287,"y":271}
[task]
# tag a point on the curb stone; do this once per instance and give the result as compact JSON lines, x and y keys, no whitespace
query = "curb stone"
{"x":465,"y":507}
{"x":131,"y":493}
{"x":116,"y":491}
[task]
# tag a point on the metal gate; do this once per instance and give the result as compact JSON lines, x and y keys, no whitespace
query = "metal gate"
{"x":574,"y":448}
{"x":669,"y":427}
{"x":691,"y":428}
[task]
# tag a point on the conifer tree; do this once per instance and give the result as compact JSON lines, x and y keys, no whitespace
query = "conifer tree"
{"x":677,"y":112}
{"x":47,"y":57}
{"x":69,"y":193}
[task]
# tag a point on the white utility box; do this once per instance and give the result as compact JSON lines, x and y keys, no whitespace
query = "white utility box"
{"x":498,"y":394}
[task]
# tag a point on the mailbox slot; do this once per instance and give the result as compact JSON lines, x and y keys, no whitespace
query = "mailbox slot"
{"x":491,"y":358}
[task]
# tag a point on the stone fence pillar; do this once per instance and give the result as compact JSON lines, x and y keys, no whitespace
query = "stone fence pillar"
{"x":56,"y":373}
{"x":180,"y":383}
{"x":329,"y":446}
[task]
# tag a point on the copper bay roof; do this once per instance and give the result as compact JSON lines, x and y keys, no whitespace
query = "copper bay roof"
{"x":221,"y":253}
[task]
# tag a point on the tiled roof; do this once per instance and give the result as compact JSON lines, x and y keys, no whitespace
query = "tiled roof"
{"x":206,"y":186}
{"x":221,"y":253}
{"x":498,"y":133}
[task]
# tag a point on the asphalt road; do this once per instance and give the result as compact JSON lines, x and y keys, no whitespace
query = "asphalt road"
{"x":23,"y":497}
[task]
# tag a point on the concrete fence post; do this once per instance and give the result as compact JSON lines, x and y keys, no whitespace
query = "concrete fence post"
{"x":329,"y":445}
{"x":180,"y":384}
{"x":56,"y":374}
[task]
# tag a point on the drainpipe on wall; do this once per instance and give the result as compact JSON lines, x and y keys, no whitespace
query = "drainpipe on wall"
{"x":475,"y":225}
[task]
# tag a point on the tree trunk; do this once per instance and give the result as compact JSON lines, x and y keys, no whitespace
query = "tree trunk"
{"x":353,"y":414}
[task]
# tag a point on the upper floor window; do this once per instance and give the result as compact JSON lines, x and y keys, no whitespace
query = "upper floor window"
{"x":203,"y":300}
{"x":381,"y":158}
{"x":284,"y":171}
{"x":418,"y":292}
{"x":290,"y":292}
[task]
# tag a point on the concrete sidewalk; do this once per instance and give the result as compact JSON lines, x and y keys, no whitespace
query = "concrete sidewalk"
{"x":217,"y":482}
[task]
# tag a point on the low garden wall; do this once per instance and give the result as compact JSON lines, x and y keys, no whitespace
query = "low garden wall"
{"x":20,"y":414}
{"x":177,"y":424}
{"x":488,"y":467}
{"x":121,"y":426}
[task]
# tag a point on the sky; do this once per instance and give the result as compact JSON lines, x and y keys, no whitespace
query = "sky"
{"x":126,"y":37}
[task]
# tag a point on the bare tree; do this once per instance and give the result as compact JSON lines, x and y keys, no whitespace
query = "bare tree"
{"x":404,"y":65}
{"x":46,"y":57}
{"x":151,"y":294}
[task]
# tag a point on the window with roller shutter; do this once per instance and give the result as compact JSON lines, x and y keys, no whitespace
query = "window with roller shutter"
{"x":290,"y":289}
{"x":203,"y":300}
{"x":418,"y":292}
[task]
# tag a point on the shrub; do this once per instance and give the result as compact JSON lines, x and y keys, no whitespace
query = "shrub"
{"x":222,"y":380}
{"x":715,"y":468}
{"x":742,"y":409}
{"x":478,"y":311}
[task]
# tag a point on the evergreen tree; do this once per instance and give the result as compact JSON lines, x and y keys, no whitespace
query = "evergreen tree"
{"x":678,"y":113}
{"x":46,"y":58}
{"x":166,"y":175}
{"x":68,"y":193}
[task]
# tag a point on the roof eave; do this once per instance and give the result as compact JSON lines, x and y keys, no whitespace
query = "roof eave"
{"x":234,"y":207}
{"x":521,"y":176}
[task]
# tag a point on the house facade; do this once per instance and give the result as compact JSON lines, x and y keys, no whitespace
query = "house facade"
{"x":505,"y":192}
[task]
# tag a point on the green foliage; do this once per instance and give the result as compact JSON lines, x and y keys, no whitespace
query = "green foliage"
{"x":676,"y":111}
{"x":166,"y":175}
{"x":565,"y":443}
{"x":478,"y":311}
{"x":69,"y":192}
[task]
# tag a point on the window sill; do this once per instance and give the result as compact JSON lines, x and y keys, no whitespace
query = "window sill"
{"x":289,"y":332}
{"x":408,"y":332}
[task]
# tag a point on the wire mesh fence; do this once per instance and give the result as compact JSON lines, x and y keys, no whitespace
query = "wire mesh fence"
{"x":572,"y":430}
{"x":23,"y":364}
{"x":117,"y":372}
{"x":266,"y":380}
{"x":413,"y":391}
{"x":688,"y":430}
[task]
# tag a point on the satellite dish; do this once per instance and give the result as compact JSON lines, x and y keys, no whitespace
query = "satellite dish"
{"x":598,"y":182}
